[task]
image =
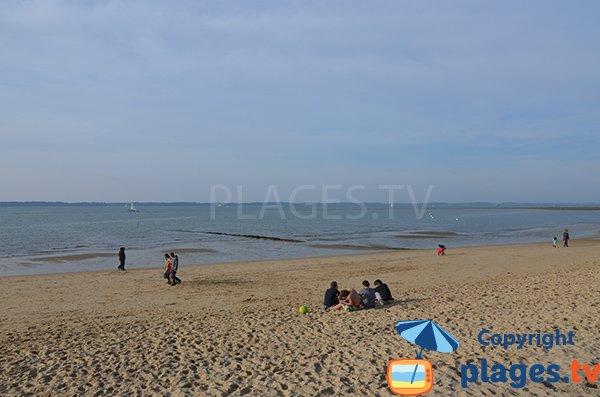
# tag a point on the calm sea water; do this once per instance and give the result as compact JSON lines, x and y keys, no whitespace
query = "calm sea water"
{"x":56,"y":239}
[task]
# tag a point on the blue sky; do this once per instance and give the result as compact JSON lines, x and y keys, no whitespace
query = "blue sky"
{"x":143,"y":100}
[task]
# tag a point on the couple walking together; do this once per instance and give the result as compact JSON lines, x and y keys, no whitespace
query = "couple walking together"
{"x":171,"y":267}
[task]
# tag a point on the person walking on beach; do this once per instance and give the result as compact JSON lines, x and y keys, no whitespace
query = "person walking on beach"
{"x":174,"y":268}
{"x":121,"y":259}
{"x":168,"y":269}
{"x":554,"y":241}
{"x":566,"y":238}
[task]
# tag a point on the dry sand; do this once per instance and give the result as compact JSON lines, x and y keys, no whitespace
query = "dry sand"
{"x":235,"y":329}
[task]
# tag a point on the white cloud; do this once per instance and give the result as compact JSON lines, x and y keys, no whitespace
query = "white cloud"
{"x":254,"y":80}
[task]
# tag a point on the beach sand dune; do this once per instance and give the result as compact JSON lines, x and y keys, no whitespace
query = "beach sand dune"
{"x":234,"y":329}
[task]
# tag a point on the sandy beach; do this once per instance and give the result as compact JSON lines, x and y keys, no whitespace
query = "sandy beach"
{"x":234,"y":329}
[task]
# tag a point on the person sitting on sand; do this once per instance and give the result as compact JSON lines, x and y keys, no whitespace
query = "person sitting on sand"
{"x":368,"y":295}
{"x":350,"y":300}
{"x":174,"y":268}
{"x":168,"y":268}
{"x":331,"y":296}
{"x":382,"y":292}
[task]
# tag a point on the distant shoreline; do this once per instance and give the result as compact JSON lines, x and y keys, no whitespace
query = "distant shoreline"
{"x":342,"y":205}
{"x":46,"y":240}
{"x":353,"y":251}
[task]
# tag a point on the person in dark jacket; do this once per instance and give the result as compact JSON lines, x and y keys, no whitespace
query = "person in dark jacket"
{"x":174,"y":268}
{"x":566,"y":238}
{"x":331,"y":296}
{"x":121,"y":259}
{"x":383,"y":292}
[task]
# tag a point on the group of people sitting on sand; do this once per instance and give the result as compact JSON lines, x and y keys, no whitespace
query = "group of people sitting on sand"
{"x":350,"y":300}
{"x":170,"y":270}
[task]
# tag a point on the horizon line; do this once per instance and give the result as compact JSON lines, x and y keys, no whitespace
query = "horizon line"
{"x":491,"y":203}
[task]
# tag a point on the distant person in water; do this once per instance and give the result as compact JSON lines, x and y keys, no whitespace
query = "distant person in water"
{"x":168,"y":268}
{"x":331,"y":296}
{"x":174,"y":268}
{"x":382,"y":292}
{"x":350,"y":300}
{"x":122,"y":258}
{"x":566,"y":238}
{"x":554,"y":241}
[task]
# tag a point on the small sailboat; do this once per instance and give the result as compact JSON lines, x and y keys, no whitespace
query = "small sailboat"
{"x":132,"y":208}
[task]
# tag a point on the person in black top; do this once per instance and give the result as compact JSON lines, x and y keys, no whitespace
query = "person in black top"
{"x":174,"y":268}
{"x":331,"y":296}
{"x":121,"y":259}
{"x":385,"y":295}
{"x":566,"y":238}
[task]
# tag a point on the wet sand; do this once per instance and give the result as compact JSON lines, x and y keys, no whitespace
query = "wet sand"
{"x":72,"y":257}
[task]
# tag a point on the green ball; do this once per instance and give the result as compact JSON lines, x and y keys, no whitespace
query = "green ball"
{"x":303,"y":309}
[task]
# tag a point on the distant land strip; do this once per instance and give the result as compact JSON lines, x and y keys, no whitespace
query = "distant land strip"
{"x":341,"y":205}
{"x":257,"y":237}
{"x":569,"y":208}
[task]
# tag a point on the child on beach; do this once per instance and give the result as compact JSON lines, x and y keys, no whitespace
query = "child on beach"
{"x":441,"y":249}
{"x":554,"y":241}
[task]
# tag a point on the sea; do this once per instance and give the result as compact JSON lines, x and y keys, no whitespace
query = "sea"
{"x":42,"y":238}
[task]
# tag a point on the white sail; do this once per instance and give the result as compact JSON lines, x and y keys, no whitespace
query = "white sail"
{"x":132,"y":208}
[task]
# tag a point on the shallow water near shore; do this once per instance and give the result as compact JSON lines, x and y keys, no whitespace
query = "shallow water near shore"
{"x":46,"y":239}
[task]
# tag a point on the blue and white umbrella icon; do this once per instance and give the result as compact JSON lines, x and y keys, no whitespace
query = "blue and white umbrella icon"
{"x":427,"y":335}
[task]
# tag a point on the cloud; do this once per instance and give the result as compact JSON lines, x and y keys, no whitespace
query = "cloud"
{"x":294,"y":86}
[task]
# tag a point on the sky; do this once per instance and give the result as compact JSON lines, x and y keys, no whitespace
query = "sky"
{"x":159,"y":101}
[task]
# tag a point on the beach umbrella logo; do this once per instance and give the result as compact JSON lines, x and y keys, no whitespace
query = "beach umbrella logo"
{"x":412,"y":377}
